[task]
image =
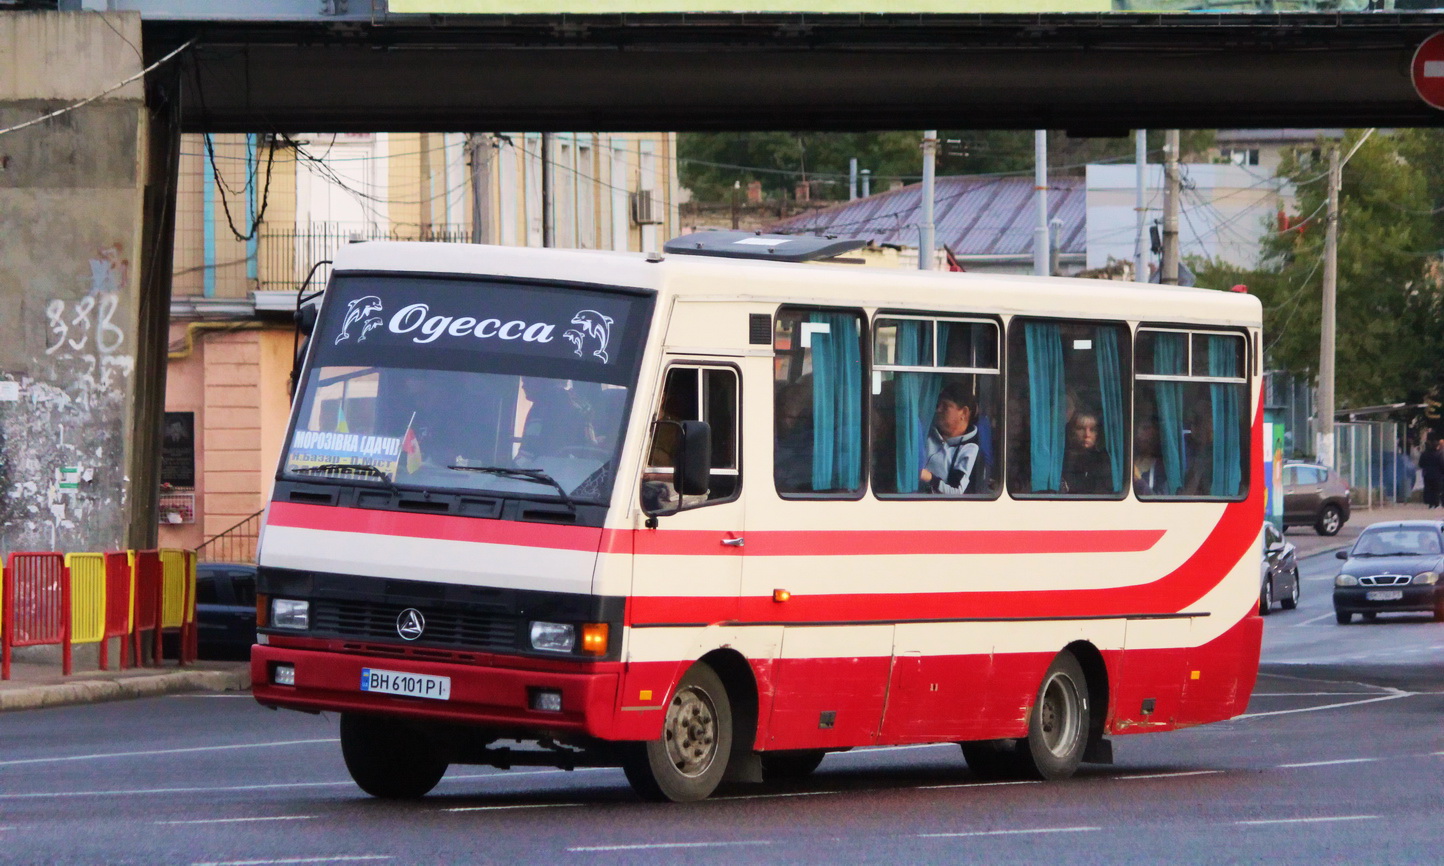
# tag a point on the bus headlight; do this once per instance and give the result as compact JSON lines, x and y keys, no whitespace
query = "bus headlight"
{"x":553,"y":637}
{"x":1346,"y":580}
{"x":1426,"y":578}
{"x":290,"y":613}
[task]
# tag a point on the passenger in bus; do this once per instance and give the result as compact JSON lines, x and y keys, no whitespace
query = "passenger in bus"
{"x":556,"y":423}
{"x":951,"y":448}
{"x":792,"y":447}
{"x":1198,"y":477}
{"x":1147,"y":462}
{"x":1087,"y":469}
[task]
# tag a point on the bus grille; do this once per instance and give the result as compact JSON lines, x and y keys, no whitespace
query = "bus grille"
{"x":451,"y":628}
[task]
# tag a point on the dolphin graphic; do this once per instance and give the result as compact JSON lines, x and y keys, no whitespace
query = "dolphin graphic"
{"x":360,"y":310}
{"x":575,"y":338}
{"x":595,"y":325}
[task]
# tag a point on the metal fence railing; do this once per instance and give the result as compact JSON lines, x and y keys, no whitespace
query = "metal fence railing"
{"x":287,"y":255}
{"x":237,"y":544}
{"x":1371,"y":455}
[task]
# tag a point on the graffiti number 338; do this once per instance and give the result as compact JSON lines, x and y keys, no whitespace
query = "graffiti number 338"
{"x":90,"y":317}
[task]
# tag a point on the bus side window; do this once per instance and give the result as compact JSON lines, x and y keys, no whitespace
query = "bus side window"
{"x":707,"y":394}
{"x":818,"y":404}
{"x":1192,"y":415}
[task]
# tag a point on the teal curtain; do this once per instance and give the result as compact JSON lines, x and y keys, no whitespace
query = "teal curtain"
{"x":1046,"y":405}
{"x":915,"y":399}
{"x":1170,"y":354}
{"x":1227,"y":415}
{"x":836,"y":403}
{"x":1110,"y":389}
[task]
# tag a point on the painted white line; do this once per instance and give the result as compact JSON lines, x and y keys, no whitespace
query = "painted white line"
{"x":154,"y":752}
{"x":1311,"y":621}
{"x":1397,"y":693}
{"x":1308,"y":820}
{"x":241,"y":820}
{"x":245,"y":697}
{"x":1328,"y":763}
{"x":1169,"y":775}
{"x":1009,"y":832}
{"x":340,"y":858}
{"x":1308,"y":694}
{"x":517,"y":806}
{"x":975,"y":785}
{"x":665,"y":845}
{"x":775,"y":796}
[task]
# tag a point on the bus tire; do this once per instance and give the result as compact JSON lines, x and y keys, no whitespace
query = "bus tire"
{"x":1058,"y":724}
{"x":792,"y":764}
{"x":688,"y":761}
{"x":389,"y":759}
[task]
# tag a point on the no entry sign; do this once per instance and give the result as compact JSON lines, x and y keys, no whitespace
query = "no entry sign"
{"x":1427,"y":70}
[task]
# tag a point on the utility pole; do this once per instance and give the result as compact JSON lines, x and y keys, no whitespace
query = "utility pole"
{"x":925,"y":230}
{"x":1140,"y":159}
{"x":424,"y":186}
{"x":481,"y":150}
{"x":736,"y":206}
{"x":549,"y":230}
{"x":1325,"y":432}
{"x":1169,"y":275}
{"x":852,"y":179}
{"x":1040,"y":195}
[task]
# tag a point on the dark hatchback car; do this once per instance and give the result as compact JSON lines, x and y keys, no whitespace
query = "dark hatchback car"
{"x":1279,"y":577}
{"x":225,"y":609}
{"x":1392,"y":567}
{"x":1315,"y":496}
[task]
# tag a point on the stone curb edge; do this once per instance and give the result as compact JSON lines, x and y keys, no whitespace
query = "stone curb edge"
{"x":94,"y":691}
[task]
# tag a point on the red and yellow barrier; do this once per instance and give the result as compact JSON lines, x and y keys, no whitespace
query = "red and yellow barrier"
{"x":77,"y":598}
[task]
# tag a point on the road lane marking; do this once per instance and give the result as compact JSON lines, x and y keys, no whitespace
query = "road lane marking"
{"x":1311,"y":621}
{"x":664,"y":845}
{"x":339,"y":858}
{"x":1008,"y":832}
{"x":1396,"y":694}
{"x":775,"y":796}
{"x":975,"y":785}
{"x":1308,"y":820}
{"x":241,"y":820}
{"x":1307,"y":694}
{"x":1328,"y":763}
{"x":211,"y":790}
{"x":516,"y":806}
{"x":153,"y":752}
{"x":1170,"y":775}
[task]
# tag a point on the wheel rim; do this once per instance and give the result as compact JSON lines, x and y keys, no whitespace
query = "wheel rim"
{"x":1058,"y":715}
{"x":691,"y":731}
{"x":1268,"y":594}
{"x":1294,"y":596}
{"x":1331,"y":520}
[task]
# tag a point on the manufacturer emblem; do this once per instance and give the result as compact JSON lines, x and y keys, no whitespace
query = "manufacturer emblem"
{"x":591,"y":325}
{"x":410,"y":624}
{"x":360,"y":310}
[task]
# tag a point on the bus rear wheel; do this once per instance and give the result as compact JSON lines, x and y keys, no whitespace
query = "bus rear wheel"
{"x":688,"y":761}
{"x":1058,"y":725}
{"x":388,"y":758}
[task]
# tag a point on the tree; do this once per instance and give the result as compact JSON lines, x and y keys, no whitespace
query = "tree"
{"x":1390,"y":321}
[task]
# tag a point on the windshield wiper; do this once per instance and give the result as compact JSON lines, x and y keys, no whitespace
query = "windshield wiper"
{"x":360,"y":468}
{"x":536,"y":475}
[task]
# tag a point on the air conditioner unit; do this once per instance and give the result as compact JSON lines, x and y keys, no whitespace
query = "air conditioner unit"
{"x":644,"y":208}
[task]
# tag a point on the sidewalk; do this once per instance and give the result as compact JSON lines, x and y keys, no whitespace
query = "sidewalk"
{"x":35,"y":680}
{"x":1310,"y":543}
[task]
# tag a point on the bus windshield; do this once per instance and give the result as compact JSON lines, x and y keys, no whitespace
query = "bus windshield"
{"x":458,"y":385}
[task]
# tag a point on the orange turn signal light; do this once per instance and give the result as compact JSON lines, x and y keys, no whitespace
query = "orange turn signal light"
{"x":594,"y":638}
{"x":780,"y":595}
{"x":263,"y":611}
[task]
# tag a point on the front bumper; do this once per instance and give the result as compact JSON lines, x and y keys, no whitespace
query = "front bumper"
{"x":1354,"y":599}
{"x":490,"y":695}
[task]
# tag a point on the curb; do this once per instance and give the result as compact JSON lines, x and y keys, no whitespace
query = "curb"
{"x":93,"y":691}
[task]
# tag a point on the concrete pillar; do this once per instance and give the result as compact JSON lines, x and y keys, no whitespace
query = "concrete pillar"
{"x":71,"y":253}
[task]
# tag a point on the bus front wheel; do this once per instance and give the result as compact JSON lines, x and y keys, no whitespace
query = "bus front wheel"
{"x":688,"y":761}
{"x":389,"y":759}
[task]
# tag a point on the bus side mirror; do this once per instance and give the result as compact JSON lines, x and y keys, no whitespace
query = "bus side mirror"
{"x":694,"y":460}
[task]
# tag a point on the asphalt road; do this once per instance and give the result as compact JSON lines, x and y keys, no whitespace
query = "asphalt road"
{"x":1339,"y":758}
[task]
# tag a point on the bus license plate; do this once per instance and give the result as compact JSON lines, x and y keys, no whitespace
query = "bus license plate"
{"x":410,"y":685}
{"x":1384,"y":595}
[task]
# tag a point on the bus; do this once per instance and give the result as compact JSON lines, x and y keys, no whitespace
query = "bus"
{"x":710,"y":513}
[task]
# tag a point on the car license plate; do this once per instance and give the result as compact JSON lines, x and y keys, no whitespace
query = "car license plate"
{"x":410,"y":685}
{"x":1384,"y":595}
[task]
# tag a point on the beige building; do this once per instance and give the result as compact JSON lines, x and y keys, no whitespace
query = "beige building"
{"x":256,"y":214}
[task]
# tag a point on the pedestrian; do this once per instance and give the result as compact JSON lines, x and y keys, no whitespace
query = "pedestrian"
{"x":1431,"y":465}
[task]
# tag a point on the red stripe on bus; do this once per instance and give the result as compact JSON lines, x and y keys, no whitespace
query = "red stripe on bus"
{"x":442,"y":527}
{"x":894,"y":542}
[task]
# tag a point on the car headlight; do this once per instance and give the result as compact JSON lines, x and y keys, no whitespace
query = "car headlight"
{"x":290,"y":613}
{"x":554,"y":637}
{"x":1426,"y":578}
{"x":1346,"y":580}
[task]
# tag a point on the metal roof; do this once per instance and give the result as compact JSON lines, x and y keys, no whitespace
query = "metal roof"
{"x":974,"y":216}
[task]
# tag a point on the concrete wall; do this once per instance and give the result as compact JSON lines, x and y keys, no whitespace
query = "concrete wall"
{"x":70,"y":223}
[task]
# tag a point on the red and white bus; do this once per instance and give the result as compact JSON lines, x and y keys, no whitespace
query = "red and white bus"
{"x":713,"y":513}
